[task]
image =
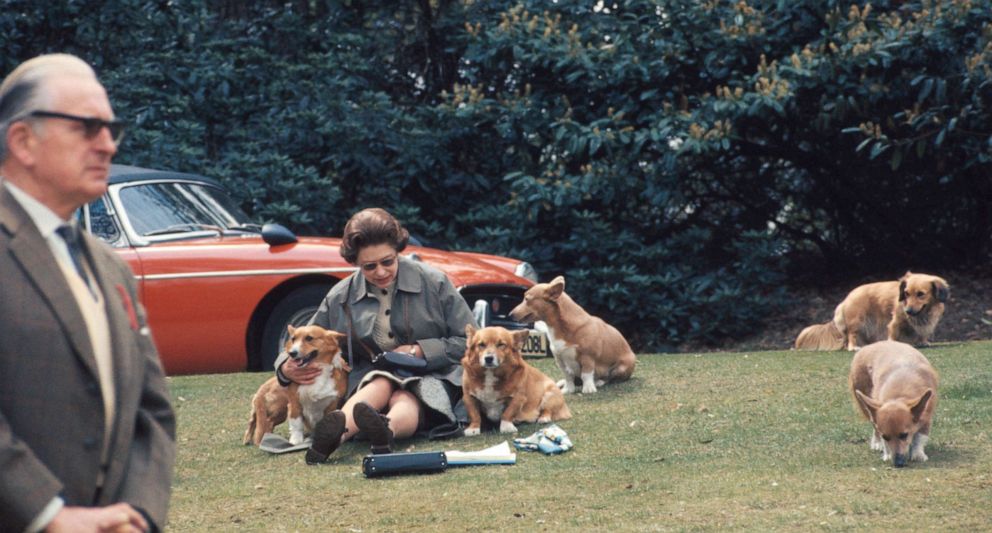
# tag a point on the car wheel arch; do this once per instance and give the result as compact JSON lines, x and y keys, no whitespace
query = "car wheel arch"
{"x":263,"y":312}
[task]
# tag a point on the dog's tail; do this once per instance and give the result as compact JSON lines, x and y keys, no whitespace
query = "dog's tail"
{"x":822,"y":337}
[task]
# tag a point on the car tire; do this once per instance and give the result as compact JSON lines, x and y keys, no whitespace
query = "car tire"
{"x":295,"y":308}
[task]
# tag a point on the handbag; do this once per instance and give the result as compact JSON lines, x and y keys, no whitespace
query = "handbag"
{"x":388,"y":464}
{"x":400,"y":363}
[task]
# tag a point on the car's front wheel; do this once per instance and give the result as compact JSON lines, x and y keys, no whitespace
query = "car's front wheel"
{"x":296,"y":309}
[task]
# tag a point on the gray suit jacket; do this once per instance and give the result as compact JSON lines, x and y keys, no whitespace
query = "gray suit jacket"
{"x":51,"y":412}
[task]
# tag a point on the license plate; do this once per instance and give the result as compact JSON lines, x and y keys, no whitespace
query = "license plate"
{"x":536,"y":345}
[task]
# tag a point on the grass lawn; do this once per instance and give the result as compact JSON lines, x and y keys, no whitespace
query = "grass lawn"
{"x":694,"y":442}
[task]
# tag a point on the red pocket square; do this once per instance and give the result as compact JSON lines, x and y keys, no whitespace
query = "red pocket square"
{"x":128,"y":306}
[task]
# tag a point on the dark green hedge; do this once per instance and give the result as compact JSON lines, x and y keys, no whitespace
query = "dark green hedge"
{"x":675,"y":160}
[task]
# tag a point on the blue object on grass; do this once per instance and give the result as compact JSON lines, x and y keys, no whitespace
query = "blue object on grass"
{"x":550,"y":440}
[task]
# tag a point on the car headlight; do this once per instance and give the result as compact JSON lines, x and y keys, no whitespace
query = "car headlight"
{"x":525,"y":270}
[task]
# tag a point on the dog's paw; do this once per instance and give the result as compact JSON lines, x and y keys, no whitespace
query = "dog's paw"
{"x":506,"y":426}
{"x":567,"y":386}
{"x":916,"y":451}
{"x":588,"y":383}
{"x":544,"y":419}
{"x":296,"y":429}
{"x":471,"y":432}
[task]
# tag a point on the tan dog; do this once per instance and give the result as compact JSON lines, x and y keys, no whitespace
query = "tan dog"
{"x":895,"y":387}
{"x":907,"y":310}
{"x":304,"y":405}
{"x":584,"y":346}
{"x":498,"y":384}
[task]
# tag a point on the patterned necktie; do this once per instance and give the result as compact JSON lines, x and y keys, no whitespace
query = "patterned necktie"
{"x":70,"y":234}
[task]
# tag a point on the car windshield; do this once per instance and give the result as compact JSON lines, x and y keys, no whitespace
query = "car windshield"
{"x":177,"y":207}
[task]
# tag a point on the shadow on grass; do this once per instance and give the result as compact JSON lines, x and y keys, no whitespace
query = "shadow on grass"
{"x":948,"y":457}
{"x":938,"y":457}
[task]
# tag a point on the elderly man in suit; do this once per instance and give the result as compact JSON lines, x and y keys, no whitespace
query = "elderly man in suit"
{"x":87,"y":431}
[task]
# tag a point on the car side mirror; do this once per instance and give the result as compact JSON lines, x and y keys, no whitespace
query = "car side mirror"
{"x":277,"y":234}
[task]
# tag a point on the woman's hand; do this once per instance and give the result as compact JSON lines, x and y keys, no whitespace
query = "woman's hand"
{"x":412,"y":349}
{"x":302,"y":375}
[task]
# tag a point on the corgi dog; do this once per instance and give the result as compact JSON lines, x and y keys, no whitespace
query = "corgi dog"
{"x":895,"y":388}
{"x":303,"y":405}
{"x":499,"y":385}
{"x":584,"y":346}
{"x":906,"y":310}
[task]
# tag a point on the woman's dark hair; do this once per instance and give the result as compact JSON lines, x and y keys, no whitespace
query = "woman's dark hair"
{"x":370,"y":227}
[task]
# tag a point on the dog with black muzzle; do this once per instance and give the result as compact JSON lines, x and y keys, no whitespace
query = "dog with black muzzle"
{"x":303,"y":405}
{"x":499,"y":385}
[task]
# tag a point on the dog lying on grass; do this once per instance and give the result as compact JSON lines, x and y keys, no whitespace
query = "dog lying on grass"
{"x":906,"y":310}
{"x":895,"y":388}
{"x":303,"y":405}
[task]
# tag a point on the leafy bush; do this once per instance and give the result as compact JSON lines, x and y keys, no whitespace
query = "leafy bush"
{"x":674,"y":160}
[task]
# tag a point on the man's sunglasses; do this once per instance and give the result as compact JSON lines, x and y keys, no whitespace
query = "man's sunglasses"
{"x":386,"y":263}
{"x":91,"y":125}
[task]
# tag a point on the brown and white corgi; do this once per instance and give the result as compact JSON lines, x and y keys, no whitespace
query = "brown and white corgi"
{"x":303,"y":405}
{"x":584,"y":346}
{"x":500,"y":386}
{"x":895,"y":387}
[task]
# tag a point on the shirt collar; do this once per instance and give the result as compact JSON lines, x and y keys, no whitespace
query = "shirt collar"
{"x":44,"y":218}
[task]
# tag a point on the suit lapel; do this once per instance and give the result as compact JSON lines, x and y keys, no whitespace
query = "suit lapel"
{"x":30,"y":250}
{"x":120,"y":313}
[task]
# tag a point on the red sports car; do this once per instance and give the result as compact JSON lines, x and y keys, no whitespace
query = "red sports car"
{"x":220,"y":290}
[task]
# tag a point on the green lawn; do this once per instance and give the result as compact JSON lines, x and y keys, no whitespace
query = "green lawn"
{"x":747,"y":441}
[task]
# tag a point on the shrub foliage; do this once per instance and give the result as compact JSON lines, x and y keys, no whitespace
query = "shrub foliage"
{"x":673,"y":159}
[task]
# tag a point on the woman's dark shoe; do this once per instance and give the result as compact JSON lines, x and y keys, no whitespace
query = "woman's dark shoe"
{"x":326,"y":437}
{"x":375,"y":427}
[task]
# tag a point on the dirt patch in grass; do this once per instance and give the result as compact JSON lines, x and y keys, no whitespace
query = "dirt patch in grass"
{"x":967,"y":316}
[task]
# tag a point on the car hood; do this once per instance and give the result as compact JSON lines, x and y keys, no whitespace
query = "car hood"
{"x":238,"y":252}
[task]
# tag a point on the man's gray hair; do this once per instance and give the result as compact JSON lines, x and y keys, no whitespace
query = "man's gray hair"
{"x":22,"y":90}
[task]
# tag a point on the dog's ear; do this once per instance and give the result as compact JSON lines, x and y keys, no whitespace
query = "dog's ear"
{"x":469,"y":333}
{"x":920,"y":405}
{"x":290,"y":329}
{"x":902,"y":290}
{"x":519,"y":338}
{"x":337,"y":336}
{"x":870,"y":405}
{"x":941,"y":289}
{"x":555,"y":288}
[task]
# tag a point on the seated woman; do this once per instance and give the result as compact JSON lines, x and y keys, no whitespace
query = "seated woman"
{"x":391,"y":303}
